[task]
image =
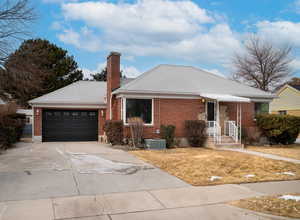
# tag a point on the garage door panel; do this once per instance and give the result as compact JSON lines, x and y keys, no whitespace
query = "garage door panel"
{"x":70,"y":125}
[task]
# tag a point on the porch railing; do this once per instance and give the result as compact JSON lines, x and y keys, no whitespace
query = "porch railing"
{"x":214,"y":130}
{"x":231,"y":130}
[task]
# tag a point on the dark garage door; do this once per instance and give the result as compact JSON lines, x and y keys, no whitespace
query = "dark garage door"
{"x":70,"y":125}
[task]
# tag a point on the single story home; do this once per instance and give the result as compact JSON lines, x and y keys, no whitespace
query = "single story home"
{"x":166,"y":94}
{"x":288,"y":101}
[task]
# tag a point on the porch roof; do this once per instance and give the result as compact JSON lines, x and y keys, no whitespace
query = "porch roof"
{"x":225,"y":97}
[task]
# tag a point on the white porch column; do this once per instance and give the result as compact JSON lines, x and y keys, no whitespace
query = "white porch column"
{"x":240,"y":123}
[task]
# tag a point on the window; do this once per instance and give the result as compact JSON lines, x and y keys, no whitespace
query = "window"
{"x":66,"y":113}
{"x":139,"y":108}
{"x":283,"y":112}
{"x":261,"y":108}
{"x":92,"y":114}
{"x":75,"y":113}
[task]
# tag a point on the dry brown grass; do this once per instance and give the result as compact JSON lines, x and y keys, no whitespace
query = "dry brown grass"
{"x":271,"y":205}
{"x":291,"y":151}
{"x":197,"y":165}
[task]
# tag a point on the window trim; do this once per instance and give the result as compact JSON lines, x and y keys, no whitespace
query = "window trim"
{"x":152,"y":111}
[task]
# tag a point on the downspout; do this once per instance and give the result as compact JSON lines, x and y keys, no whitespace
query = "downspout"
{"x":110,"y":107}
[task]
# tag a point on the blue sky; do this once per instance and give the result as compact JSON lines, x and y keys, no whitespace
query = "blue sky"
{"x":201,"y":33}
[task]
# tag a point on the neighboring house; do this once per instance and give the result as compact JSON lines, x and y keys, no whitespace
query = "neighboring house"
{"x":27,"y":130}
{"x":166,"y":94}
{"x":2,"y":102}
{"x":28,"y":113}
{"x":288,"y":101}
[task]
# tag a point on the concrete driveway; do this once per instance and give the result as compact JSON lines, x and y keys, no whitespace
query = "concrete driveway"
{"x":46,"y":170}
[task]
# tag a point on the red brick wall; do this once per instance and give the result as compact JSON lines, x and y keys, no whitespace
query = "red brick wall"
{"x":113,"y":79}
{"x":248,"y":113}
{"x":101,"y":120}
{"x":173,"y":112}
{"x":176,"y":111}
{"x":37,"y":121}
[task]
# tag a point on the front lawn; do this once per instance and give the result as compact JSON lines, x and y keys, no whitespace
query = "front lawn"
{"x":200,"y":166}
{"x":291,"y":151}
{"x":283,"y":205}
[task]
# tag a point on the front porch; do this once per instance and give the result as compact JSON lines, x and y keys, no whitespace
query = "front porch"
{"x":224,"y":121}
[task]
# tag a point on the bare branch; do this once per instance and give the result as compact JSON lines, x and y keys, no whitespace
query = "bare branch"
{"x":15,"y":15}
{"x":262,"y":66}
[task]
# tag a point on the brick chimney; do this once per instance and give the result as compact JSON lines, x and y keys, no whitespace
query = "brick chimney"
{"x":113,"y":79}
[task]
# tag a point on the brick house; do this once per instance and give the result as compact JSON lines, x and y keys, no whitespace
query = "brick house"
{"x":166,"y":94}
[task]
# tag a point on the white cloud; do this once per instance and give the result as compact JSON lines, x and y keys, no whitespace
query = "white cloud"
{"x":214,"y":71}
{"x":295,"y":64}
{"x":146,"y":17}
{"x":84,"y":39}
{"x":281,"y":32}
{"x":59,"y":1}
{"x":128,"y":71}
{"x":297,"y":6}
{"x":173,"y":29}
{"x":56,"y":25}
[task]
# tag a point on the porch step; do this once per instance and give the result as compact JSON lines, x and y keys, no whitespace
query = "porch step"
{"x":227,"y":139}
{"x":230,"y":145}
{"x":226,"y":142}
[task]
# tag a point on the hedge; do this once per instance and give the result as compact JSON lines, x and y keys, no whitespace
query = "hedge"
{"x":114,"y":131}
{"x":279,"y":129}
{"x":167,"y":132}
{"x":11,"y":129}
{"x":195,"y":131}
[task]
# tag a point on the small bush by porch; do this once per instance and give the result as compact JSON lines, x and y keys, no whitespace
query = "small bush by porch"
{"x":200,"y":166}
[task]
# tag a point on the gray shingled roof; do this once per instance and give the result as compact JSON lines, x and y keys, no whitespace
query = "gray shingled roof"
{"x":296,"y":87}
{"x":81,"y":92}
{"x":174,"y":79}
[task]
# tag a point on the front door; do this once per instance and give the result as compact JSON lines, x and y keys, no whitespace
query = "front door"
{"x":211,"y":111}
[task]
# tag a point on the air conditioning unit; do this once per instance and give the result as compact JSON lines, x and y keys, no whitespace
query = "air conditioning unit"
{"x":155,"y":144}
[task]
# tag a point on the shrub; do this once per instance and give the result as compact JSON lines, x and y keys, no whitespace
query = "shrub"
{"x":11,"y":128}
{"x":279,"y":129}
{"x":195,"y":131}
{"x":251,"y":135}
{"x":114,"y":131}
{"x":136,"y":125}
{"x":167,"y":132}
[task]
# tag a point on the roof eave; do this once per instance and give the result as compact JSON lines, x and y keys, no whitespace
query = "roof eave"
{"x":122,"y":91}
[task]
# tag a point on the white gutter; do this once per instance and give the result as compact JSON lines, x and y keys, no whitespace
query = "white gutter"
{"x":225,"y":97}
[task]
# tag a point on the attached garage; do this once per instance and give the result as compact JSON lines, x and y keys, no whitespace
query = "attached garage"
{"x":73,"y":113}
{"x":69,"y":125}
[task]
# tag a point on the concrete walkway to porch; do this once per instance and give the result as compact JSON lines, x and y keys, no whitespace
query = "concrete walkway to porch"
{"x":265,"y":155}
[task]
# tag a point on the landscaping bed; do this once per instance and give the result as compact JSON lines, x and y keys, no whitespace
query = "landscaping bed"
{"x":281,"y":205}
{"x":291,"y":151}
{"x":201,"y":166}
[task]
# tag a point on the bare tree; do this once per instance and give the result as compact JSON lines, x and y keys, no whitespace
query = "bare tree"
{"x":263,"y":66}
{"x":15,"y":15}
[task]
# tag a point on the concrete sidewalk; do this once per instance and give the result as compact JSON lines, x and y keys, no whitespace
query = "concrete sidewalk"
{"x":192,"y":203}
{"x":265,"y":155}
